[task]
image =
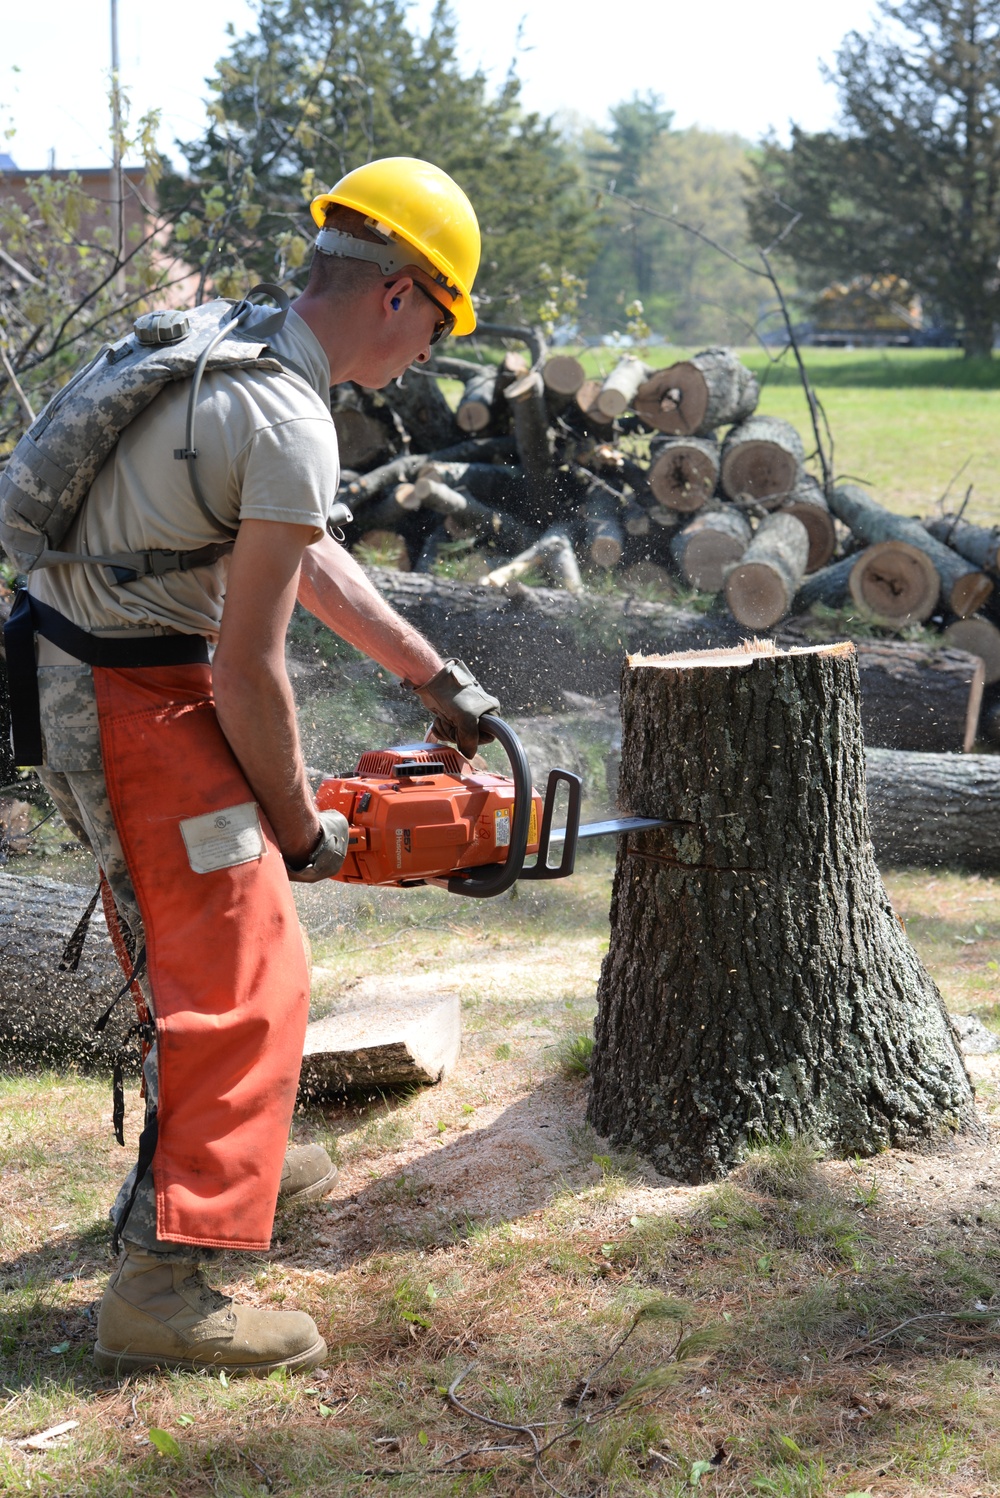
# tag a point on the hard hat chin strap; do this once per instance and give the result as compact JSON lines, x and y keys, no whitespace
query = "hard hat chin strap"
{"x":389,"y":257}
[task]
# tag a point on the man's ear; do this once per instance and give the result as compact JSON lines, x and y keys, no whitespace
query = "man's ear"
{"x":395,"y":291}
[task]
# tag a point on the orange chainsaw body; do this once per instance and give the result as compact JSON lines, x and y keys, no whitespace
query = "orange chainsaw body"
{"x":419,"y":812}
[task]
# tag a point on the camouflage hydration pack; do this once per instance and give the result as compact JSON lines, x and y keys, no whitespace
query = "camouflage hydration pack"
{"x":49,"y":474}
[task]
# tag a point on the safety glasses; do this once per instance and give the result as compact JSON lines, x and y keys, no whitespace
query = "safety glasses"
{"x":447,"y":323}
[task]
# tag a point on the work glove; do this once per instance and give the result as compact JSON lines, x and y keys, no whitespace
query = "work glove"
{"x":458,"y":703}
{"x":329,"y":853}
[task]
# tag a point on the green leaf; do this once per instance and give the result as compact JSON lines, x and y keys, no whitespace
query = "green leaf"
{"x":60,"y":1347}
{"x":324,"y":1410}
{"x":223,"y":1380}
{"x":698,"y":1471}
{"x":791,"y":1445}
{"x":279,"y":1376}
{"x":416,"y":1320}
{"x":422,"y":1437}
{"x":185,"y":1419}
{"x":164,"y":1442}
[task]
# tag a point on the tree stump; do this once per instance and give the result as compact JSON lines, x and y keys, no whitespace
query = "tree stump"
{"x":711,"y":543}
{"x":762,"y":460}
{"x":683,"y":471}
{"x":758,"y":981}
{"x":694,"y":397}
{"x":807,"y":503}
{"x":760,"y":587}
{"x":963,"y":586}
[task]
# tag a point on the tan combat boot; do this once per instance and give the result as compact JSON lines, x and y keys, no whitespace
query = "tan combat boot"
{"x":307,"y":1175}
{"x":160,"y":1313}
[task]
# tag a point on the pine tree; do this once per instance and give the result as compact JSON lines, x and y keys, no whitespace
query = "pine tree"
{"x":323,"y":86}
{"x":909,"y":187}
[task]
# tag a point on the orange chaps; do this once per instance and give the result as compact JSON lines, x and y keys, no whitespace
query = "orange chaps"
{"x":225,"y":958}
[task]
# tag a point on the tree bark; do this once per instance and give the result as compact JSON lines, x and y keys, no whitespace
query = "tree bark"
{"x":758,"y":981}
{"x":760,"y":587}
{"x":711,"y":543}
{"x":979,"y":637}
{"x":683,"y":471}
{"x":604,"y":534}
{"x":480,"y":450}
{"x":694,"y":397}
{"x":919,"y":699}
{"x":830,"y":586}
{"x":475,"y":409}
{"x":807,"y":503}
{"x":620,"y":386}
{"x":47,"y":1015}
{"x":894,"y":582}
{"x":531,"y":433}
{"x":935,"y":810}
{"x":964,"y":587}
{"x":976,"y":543}
{"x":419,"y":403}
{"x":762,"y":460}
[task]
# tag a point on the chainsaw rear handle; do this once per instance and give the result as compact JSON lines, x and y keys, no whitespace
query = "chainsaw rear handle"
{"x":494,"y":878}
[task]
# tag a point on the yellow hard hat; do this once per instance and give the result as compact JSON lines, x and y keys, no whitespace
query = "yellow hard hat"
{"x":415,"y":202}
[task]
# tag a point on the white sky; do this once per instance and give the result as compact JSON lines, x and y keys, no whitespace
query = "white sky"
{"x":723,"y":64}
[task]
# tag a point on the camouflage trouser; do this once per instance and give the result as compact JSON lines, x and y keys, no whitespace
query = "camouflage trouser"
{"x":74,"y":777}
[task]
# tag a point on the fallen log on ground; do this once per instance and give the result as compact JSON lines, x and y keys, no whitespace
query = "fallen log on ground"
{"x":692,"y":398}
{"x":979,"y":544}
{"x":48,"y":1009}
{"x":761,"y":461}
{"x":756,"y":986}
{"x":935,"y":810}
{"x":964,"y":587}
{"x":760,"y":587}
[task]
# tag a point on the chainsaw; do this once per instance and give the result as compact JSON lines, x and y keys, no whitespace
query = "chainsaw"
{"x":421,"y":814}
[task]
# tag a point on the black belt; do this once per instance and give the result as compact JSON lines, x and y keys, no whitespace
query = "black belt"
{"x":30,"y":617}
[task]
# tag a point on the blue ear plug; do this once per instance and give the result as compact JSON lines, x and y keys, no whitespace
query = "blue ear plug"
{"x":394,"y":304}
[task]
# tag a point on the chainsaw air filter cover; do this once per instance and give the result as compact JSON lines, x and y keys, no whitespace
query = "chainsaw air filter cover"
{"x":419,"y":812}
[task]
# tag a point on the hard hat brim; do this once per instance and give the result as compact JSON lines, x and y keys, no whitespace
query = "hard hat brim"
{"x":461,"y":308}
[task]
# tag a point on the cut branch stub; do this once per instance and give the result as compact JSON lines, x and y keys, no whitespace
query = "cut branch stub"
{"x":585,"y":400}
{"x":758,"y":982}
{"x":964,"y":587}
{"x":683,"y":471}
{"x":762,"y":460}
{"x":620,"y":386}
{"x":760,"y":587}
{"x":604,"y":536}
{"x":704,"y":549}
{"x":896,"y":582}
{"x":694,"y":397}
{"x":979,"y":637}
{"x":807,"y":503}
{"x":475,"y":410}
{"x":563,"y":374}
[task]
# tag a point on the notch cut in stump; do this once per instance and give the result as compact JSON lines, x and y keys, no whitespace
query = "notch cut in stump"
{"x":759,"y":983}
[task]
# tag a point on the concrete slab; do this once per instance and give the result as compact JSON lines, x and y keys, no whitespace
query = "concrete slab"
{"x":392,"y":1033}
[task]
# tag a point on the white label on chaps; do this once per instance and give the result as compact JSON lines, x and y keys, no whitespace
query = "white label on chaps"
{"x":222,"y":839}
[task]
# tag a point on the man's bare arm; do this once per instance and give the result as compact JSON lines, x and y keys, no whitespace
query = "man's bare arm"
{"x":252,"y":691}
{"x":336,"y":590}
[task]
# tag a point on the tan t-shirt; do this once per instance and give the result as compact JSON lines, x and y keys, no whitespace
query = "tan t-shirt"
{"x":267,"y":450}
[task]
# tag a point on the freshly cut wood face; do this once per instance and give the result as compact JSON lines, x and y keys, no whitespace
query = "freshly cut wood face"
{"x":897,"y":581}
{"x":762,"y":594}
{"x":979,"y":637}
{"x":743,"y":654}
{"x":563,"y":374}
{"x":673,"y":400}
{"x":682,"y":477}
{"x":760,"y":470}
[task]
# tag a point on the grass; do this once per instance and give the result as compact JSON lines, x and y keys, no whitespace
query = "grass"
{"x":782,"y":1359}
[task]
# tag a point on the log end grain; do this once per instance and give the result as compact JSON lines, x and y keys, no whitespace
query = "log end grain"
{"x":563,"y":374}
{"x":980,"y":638}
{"x":682,"y":475}
{"x":895,"y":582}
{"x":969,"y":593}
{"x":673,"y":400}
{"x":473,"y":416}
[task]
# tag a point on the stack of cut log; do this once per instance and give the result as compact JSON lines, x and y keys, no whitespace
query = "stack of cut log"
{"x":543,"y":472}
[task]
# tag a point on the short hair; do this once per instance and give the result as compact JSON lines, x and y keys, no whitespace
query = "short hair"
{"x":333,"y":274}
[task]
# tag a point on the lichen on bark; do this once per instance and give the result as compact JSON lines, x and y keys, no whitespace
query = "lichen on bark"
{"x":758,"y":981}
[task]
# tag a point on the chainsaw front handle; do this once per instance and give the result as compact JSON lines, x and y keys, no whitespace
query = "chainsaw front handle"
{"x":494,"y":878}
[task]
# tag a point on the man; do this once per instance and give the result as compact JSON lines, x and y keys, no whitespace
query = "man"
{"x":187,"y":780}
